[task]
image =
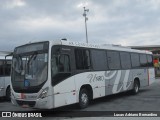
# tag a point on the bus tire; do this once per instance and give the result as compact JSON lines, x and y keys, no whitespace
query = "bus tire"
{"x":136,"y":87}
{"x":83,"y":98}
{"x":8,"y":94}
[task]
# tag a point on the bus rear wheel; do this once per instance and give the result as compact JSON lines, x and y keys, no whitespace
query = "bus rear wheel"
{"x":136,"y":86}
{"x":83,"y":98}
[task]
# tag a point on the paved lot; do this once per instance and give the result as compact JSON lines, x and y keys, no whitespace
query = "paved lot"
{"x":147,"y":100}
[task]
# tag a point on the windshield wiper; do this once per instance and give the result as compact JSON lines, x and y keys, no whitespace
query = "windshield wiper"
{"x":33,"y":57}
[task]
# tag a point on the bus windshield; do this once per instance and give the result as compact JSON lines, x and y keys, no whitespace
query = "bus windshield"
{"x":29,"y":69}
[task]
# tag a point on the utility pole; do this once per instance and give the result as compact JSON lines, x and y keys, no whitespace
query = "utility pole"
{"x":85,"y":16}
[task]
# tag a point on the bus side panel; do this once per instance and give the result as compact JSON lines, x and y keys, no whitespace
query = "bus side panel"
{"x":95,"y":79}
{"x":2,"y":87}
{"x":146,"y":76}
{"x":141,"y":74}
{"x":65,"y":92}
{"x":151,"y":76}
{"x":120,"y":80}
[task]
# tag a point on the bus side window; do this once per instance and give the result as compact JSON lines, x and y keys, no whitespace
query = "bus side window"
{"x":82,"y":58}
{"x":7,"y":68}
{"x":113,"y":60}
{"x":64,"y":63}
{"x":135,"y":60}
{"x":60,"y":68}
{"x":99,"y":60}
{"x":125,"y":60}
{"x":150,"y":60}
{"x":143,"y":60}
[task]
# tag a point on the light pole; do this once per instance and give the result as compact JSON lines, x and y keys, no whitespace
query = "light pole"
{"x":85,"y":16}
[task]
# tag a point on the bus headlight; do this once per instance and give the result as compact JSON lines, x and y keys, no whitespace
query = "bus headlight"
{"x":44,"y":93}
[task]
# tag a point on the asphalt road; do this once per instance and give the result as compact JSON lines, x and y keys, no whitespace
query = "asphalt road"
{"x":148,"y":99}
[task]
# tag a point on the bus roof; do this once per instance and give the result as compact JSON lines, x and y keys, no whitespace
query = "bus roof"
{"x":96,"y":46}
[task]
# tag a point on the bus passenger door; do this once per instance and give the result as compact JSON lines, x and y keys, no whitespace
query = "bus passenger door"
{"x":63,"y":81}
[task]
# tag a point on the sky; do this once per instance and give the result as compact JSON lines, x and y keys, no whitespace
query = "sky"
{"x":122,"y":22}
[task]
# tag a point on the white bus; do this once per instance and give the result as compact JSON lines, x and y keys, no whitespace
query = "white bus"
{"x":5,"y":78}
{"x":51,"y":74}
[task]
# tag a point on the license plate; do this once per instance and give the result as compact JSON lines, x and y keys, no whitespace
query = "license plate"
{"x":25,"y":106}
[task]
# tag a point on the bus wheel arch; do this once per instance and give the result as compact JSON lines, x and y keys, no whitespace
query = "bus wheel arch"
{"x":136,"y":86}
{"x":85,"y":95}
{"x":8,"y":93}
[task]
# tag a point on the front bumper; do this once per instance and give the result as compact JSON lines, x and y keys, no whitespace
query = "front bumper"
{"x":45,"y":103}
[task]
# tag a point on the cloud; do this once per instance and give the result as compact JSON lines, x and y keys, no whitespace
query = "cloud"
{"x":32,"y":24}
{"x":123,"y":22}
{"x":13,"y":4}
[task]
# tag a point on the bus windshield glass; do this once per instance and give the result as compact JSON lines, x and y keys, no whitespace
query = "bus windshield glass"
{"x":30,"y":67}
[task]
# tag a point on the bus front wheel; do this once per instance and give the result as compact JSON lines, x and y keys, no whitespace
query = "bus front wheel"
{"x":8,"y":93}
{"x":83,"y":98}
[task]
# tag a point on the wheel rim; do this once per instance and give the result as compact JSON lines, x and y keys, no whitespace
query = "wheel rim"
{"x":84,"y":98}
{"x":136,"y":88}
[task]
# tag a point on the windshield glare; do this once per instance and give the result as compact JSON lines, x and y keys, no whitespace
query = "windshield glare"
{"x":30,"y":70}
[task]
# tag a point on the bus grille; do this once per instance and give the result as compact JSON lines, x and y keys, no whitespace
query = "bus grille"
{"x":29,"y":103}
